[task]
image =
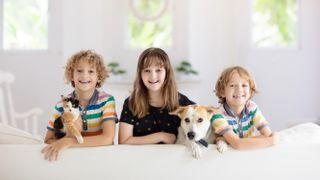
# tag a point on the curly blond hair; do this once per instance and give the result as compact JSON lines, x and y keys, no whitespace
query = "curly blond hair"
{"x":225,"y":78}
{"x":93,"y":59}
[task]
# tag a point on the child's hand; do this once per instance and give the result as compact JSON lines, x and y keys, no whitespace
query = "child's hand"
{"x":168,"y":138}
{"x":52,"y":151}
{"x":275,"y":137}
{"x":221,"y":138}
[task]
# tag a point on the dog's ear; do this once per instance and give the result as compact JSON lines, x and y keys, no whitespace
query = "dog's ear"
{"x":212,"y":110}
{"x":178,"y":111}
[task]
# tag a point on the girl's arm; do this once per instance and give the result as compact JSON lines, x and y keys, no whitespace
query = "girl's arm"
{"x":126,"y":136}
{"x":52,"y":151}
{"x":250,"y":143}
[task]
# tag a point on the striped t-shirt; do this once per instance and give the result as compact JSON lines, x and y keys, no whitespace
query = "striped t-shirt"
{"x":101,"y":108}
{"x":251,"y":120}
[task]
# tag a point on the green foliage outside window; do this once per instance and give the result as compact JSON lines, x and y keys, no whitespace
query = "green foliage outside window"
{"x":25,"y":24}
{"x":275,"y":22}
{"x":154,"y":32}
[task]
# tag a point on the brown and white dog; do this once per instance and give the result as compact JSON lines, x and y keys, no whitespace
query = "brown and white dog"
{"x":195,"y":130}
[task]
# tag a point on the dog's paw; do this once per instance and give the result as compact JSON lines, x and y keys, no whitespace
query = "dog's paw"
{"x":222,"y":146}
{"x":196,"y":151}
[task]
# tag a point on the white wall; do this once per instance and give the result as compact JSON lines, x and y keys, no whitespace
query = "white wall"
{"x":87,"y":25}
{"x":216,"y":38}
{"x":211,"y":45}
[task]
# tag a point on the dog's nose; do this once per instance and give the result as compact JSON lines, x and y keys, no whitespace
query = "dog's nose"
{"x":191,"y":135}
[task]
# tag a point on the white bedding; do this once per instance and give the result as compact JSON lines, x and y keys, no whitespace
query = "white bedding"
{"x":305,"y":133}
{"x":287,"y":160}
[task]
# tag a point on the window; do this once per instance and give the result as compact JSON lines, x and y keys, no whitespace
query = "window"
{"x":150,"y":23}
{"x":274,"y":23}
{"x":25,"y":24}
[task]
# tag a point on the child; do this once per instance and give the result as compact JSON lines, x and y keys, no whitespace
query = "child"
{"x":86,"y":71}
{"x":145,"y":118}
{"x":235,"y":88}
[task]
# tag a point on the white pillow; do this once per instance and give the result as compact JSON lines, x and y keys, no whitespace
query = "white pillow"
{"x":305,"y":133}
{"x":11,"y":135}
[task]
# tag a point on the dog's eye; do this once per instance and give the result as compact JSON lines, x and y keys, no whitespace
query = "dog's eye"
{"x":200,"y":120}
{"x":187,"y":120}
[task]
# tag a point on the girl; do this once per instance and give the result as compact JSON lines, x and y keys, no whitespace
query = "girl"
{"x":86,"y":71}
{"x":235,"y":88}
{"x":145,"y":118}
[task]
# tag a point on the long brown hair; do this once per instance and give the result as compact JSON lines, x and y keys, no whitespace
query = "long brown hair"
{"x":139,"y":99}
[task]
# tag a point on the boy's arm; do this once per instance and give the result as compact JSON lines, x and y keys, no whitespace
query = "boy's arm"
{"x":249,"y":143}
{"x":265,"y":132}
{"x":52,"y":151}
{"x":49,"y":138}
{"x":106,"y":138}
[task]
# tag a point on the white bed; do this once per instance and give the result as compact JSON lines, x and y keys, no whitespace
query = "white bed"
{"x":295,"y":157}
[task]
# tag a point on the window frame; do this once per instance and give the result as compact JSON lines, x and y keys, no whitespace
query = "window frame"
{"x":54,"y":31}
{"x":130,"y":10}
{"x":126,"y":55}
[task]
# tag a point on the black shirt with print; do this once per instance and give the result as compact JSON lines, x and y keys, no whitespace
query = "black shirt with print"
{"x":157,"y":119}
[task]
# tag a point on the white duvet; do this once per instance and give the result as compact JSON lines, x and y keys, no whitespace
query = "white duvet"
{"x":300,"y":134}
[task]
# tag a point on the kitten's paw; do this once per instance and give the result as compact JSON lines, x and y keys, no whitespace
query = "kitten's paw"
{"x":80,"y":139}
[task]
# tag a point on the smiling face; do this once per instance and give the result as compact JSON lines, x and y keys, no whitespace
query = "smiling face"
{"x":153,"y":77}
{"x":85,"y":77}
{"x":195,"y":120}
{"x":236,"y":92}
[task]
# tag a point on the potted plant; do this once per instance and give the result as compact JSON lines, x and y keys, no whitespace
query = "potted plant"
{"x":185,"y":70}
{"x":115,"y":70}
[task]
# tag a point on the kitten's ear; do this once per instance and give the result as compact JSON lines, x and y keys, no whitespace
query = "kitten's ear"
{"x":62,"y":97}
{"x":70,"y":99}
{"x":76,"y":103}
